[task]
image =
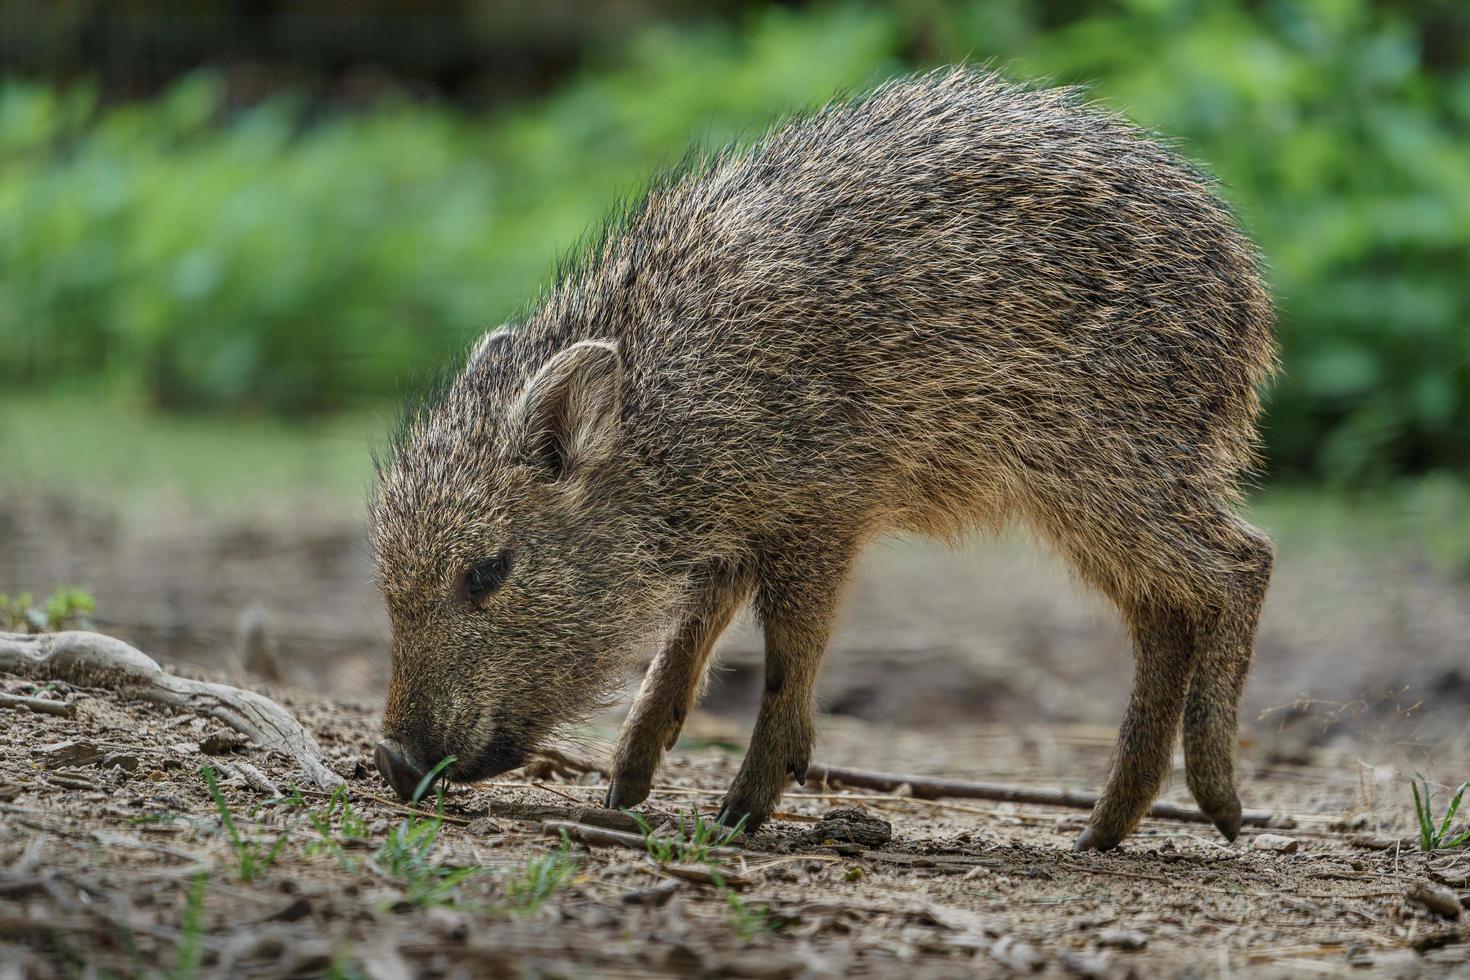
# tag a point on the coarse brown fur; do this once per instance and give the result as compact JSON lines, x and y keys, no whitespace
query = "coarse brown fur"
{"x":950,"y":305}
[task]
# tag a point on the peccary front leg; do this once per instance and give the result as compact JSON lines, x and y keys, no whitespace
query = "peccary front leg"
{"x":674,"y":682}
{"x":797,"y":599}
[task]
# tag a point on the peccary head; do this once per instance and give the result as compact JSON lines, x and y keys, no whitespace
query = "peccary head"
{"x":516,"y":551}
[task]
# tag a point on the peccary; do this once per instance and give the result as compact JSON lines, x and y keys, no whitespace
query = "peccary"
{"x":949,"y":305}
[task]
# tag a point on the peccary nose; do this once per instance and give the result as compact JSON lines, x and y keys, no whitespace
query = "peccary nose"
{"x":399,"y":768}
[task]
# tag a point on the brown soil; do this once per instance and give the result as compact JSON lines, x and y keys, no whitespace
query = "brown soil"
{"x":984,"y":663}
{"x":103,"y":840}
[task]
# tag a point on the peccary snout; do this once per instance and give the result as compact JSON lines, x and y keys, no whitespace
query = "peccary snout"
{"x":398,"y":767}
{"x":401,"y":767}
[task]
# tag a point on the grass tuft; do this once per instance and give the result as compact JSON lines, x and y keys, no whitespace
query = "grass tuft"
{"x":528,"y":889}
{"x":191,"y":931}
{"x":694,"y":846}
{"x":251,"y":856}
{"x":349,"y":827}
{"x":1432,"y":838}
{"x":407,"y":854}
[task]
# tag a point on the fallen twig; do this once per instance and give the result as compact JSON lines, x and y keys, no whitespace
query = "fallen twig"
{"x":550,"y":760}
{"x":251,"y":776}
{"x":69,"y":781}
{"x":414,"y":811}
{"x":96,"y":660}
{"x":39,"y":705}
{"x":703,"y":875}
{"x":923,"y":787}
{"x":538,"y":813}
{"x":932,"y":860}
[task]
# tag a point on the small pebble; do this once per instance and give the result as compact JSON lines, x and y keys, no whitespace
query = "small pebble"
{"x":1084,"y":964}
{"x":1122,"y":939}
{"x":74,"y":752}
{"x":126,"y":761}
{"x":1276,"y":843}
{"x":483,"y":827}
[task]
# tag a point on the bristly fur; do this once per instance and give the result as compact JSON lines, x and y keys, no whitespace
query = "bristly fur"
{"x":952,"y":304}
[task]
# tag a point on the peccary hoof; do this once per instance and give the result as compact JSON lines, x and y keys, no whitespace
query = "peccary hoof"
{"x":1091,"y":840}
{"x":624,"y":796}
{"x":1228,"y":823}
{"x":746,"y":821}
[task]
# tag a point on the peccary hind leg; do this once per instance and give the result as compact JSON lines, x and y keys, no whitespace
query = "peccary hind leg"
{"x":1164,"y":640}
{"x":1193,"y":641}
{"x":1226,"y":644}
{"x":674,"y":682}
{"x":797,"y":598}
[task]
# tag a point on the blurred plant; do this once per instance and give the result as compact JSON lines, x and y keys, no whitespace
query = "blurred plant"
{"x":68,"y":608}
{"x":190,"y":953}
{"x":264,"y":259}
{"x":255,"y":261}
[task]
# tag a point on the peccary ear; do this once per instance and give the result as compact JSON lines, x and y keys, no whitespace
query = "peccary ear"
{"x":493,"y":339}
{"x":569,"y":410}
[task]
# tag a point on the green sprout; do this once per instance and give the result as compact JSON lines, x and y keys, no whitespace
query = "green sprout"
{"x":1430,"y":838}
{"x":252,"y":857}
{"x":530,"y":888}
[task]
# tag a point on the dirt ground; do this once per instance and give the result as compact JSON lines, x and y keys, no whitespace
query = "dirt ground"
{"x":984,"y":663}
{"x":116,"y":859}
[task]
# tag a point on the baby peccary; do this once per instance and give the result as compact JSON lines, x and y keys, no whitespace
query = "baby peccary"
{"x":949,"y":305}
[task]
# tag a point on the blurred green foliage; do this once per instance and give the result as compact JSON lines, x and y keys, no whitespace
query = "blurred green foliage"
{"x":292,"y":261}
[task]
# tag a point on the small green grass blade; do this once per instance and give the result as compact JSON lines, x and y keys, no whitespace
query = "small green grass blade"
{"x":431,"y":776}
{"x":1422,"y":813}
{"x":1444,"y":828}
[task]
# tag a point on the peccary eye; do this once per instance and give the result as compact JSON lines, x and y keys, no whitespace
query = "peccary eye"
{"x":487,"y":577}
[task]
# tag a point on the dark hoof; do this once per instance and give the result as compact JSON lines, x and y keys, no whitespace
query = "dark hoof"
{"x":731,"y":817}
{"x":624,"y":796}
{"x":398,"y":768}
{"x":1091,"y":840}
{"x":1229,"y":823}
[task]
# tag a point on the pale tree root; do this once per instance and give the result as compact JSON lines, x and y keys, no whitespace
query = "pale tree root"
{"x":93,"y":660}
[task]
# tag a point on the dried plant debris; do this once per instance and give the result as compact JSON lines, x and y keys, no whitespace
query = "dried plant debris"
{"x":136,"y":838}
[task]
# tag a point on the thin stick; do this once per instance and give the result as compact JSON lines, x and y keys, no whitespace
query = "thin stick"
{"x":556,"y":792}
{"x":94,"y":660}
{"x":39,"y":705}
{"x":705,"y":876}
{"x":416,"y":812}
{"x":929,"y":788}
{"x":539,"y":812}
